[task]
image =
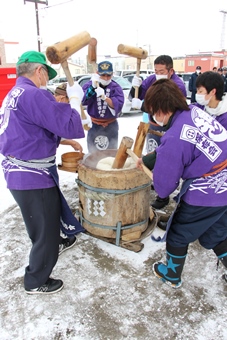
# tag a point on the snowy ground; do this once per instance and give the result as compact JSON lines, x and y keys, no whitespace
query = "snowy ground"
{"x":110,"y":292}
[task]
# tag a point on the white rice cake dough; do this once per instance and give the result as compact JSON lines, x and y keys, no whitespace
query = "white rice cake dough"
{"x":107,"y":162}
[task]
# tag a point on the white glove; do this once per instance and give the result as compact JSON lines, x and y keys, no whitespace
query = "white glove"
{"x":95,"y":78}
{"x":136,"y":81}
{"x":100,"y":93}
{"x":75,"y":91}
{"x":87,"y":120}
{"x":136,"y":103}
{"x":75,"y":104}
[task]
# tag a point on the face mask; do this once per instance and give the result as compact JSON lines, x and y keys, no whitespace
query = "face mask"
{"x":159,"y":123}
{"x":161,"y":76}
{"x":104,"y":82}
{"x":200,"y":98}
{"x":198,"y":71}
{"x":44,"y":87}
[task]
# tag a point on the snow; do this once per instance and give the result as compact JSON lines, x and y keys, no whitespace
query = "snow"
{"x":109,"y":292}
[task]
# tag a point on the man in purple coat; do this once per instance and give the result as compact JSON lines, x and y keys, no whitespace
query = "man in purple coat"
{"x":104,"y":99}
{"x":31,"y":126}
{"x":163,"y":66}
{"x":193,"y":149}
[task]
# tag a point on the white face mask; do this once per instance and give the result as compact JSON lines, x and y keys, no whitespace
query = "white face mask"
{"x":161,"y":76}
{"x":159,"y":123}
{"x":43,"y":87}
{"x":105,"y":82}
{"x":200,"y":98}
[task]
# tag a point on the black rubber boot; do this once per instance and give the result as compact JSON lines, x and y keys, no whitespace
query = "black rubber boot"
{"x":160,"y":203}
{"x":162,"y":224}
{"x":170,"y":272}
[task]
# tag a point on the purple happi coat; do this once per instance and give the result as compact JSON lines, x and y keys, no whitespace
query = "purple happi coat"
{"x":194,"y":145}
{"x":151,"y":79}
{"x":99,"y":109}
{"x":31,"y":124}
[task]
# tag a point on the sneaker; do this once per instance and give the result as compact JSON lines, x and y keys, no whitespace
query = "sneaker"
{"x":160,"y":276}
{"x":50,"y":287}
{"x":224,"y":276}
{"x":67,"y":243}
{"x":160,"y":203}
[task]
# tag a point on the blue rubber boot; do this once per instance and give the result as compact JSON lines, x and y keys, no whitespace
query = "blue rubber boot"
{"x":170,"y":273}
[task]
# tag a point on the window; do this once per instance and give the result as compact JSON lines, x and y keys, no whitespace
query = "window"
{"x":191,"y":63}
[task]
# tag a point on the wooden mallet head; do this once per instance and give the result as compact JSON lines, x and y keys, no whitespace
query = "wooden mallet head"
{"x":121,"y":155}
{"x":91,"y":58}
{"x":61,"y":51}
{"x":131,"y":51}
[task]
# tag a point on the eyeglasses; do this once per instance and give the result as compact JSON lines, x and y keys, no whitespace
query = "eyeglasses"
{"x":45,"y":68}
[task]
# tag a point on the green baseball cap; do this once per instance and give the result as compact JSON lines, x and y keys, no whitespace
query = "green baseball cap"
{"x":37,"y":57}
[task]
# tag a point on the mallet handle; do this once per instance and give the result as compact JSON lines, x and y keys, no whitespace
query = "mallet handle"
{"x":138,"y":64}
{"x":135,"y":158}
{"x":70,"y":79}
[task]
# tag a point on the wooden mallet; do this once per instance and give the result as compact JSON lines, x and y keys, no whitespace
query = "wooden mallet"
{"x":135,"y":52}
{"x":61,"y":51}
{"x":122,"y":154}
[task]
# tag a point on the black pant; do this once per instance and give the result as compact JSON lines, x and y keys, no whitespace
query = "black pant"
{"x":190,"y":223}
{"x":193,"y":97}
{"x":40,"y":209}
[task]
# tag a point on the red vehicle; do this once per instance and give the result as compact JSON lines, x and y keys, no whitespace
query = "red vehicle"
{"x":7,"y":81}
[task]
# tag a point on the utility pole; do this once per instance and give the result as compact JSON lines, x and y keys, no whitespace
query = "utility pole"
{"x":43,"y":2}
{"x":223,"y":30}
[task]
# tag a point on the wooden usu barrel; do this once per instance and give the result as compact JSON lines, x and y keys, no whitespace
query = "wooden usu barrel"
{"x":113,"y":199}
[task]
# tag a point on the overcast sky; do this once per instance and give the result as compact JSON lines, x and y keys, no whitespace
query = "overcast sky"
{"x":164,"y":27}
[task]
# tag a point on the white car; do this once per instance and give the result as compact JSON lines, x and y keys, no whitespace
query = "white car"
{"x":125,"y":85}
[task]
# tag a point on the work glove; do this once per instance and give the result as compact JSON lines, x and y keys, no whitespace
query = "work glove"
{"x":95,"y":78}
{"x":100,"y":93}
{"x":87,"y":121}
{"x":136,"y":81}
{"x":136,"y":103}
{"x":75,"y":92}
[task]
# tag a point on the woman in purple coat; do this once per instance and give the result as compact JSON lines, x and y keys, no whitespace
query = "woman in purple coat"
{"x":193,"y":149}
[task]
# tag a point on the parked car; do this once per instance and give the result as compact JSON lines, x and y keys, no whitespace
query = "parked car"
{"x":130,"y":76}
{"x":52,"y":84}
{"x":185,"y":78}
{"x":125,"y":85}
{"x":123,"y":73}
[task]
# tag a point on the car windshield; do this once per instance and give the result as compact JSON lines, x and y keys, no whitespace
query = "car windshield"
{"x":123,"y":82}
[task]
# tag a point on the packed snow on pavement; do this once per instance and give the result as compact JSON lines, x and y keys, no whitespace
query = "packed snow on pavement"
{"x":109,"y":292}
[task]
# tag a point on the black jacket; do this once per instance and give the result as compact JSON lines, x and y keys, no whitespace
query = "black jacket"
{"x":192,"y":81}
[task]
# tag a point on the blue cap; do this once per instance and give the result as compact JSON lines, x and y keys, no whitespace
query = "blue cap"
{"x":105,"y":67}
